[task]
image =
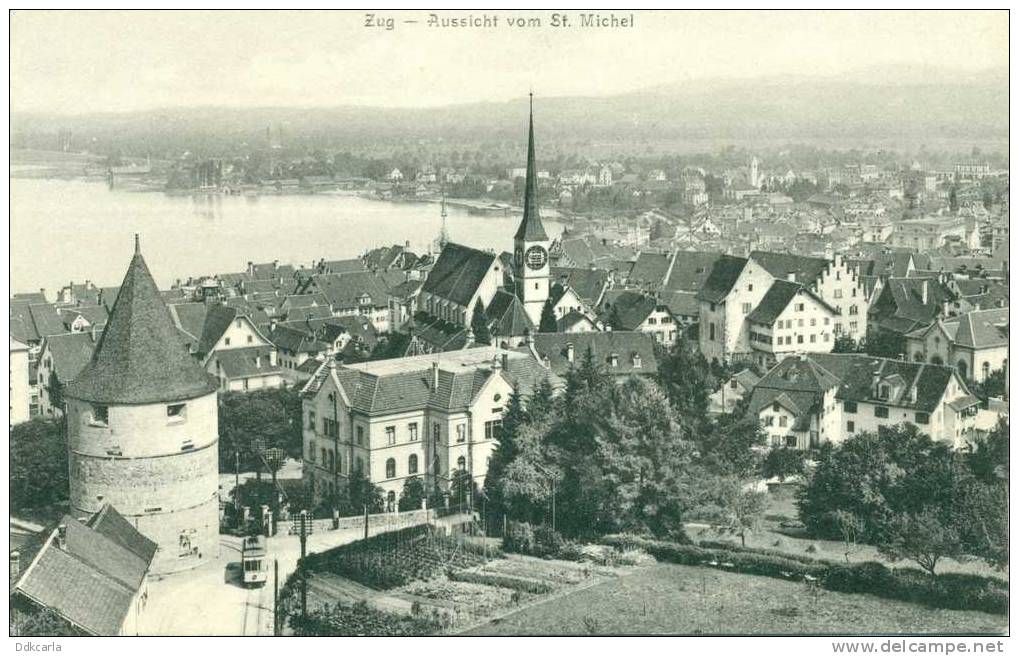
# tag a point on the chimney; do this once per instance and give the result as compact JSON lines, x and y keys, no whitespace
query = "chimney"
{"x":912,"y":394}
{"x":435,"y":374}
{"x":790,"y":276}
{"x":505,"y":360}
{"x":569,"y":351}
{"x":273,"y":358}
{"x":15,"y":565}
{"x":62,"y":536}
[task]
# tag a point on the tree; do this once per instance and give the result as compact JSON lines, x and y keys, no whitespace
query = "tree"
{"x":39,"y":471}
{"x":992,"y":386}
{"x":845,"y":344}
{"x":363,"y":493}
{"x":732,"y":445}
{"x":56,"y":390}
{"x":479,"y":324}
{"x":615,"y":322}
{"x":548,"y":323}
{"x":728,"y":504}
{"x":783,"y":463}
{"x":884,"y":343}
{"x":413,"y":494}
{"x":925,"y":538}
{"x":272,"y":416}
{"x":850,"y":528}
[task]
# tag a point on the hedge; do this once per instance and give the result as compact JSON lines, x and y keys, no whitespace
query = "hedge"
{"x":949,"y":591}
{"x":503,"y":581}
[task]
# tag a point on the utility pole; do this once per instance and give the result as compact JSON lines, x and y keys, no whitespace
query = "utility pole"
{"x":305,"y":527}
{"x":366,"y":521}
{"x":275,"y":597}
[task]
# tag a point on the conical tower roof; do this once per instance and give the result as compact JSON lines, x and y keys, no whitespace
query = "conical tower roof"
{"x":140,"y":357}
{"x":531,"y":228}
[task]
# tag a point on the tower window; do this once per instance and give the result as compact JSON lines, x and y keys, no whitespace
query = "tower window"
{"x":100,"y":415}
{"x":176,"y":411}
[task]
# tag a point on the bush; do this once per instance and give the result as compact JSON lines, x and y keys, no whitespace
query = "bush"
{"x":503,"y":581}
{"x":361,"y":620}
{"x":519,"y":538}
{"x":949,"y":591}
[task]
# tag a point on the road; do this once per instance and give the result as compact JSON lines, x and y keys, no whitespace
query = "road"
{"x":210,"y":600}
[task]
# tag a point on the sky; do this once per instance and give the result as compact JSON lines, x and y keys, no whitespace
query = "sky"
{"x":81,"y":62}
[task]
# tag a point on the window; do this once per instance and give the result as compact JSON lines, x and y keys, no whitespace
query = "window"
{"x":799,"y":307}
{"x":461,"y":433}
{"x":782,"y":421}
{"x":311,"y":419}
{"x":986,"y":368}
{"x":412,"y":428}
{"x":359,"y":465}
{"x":325,"y":457}
{"x":332,"y":429}
{"x":360,"y":435}
{"x":883,"y":391}
{"x":493,"y":429}
{"x":852,"y":326}
{"x":746,"y":308}
{"x":813,"y":322}
{"x":853,"y":310}
{"x":923,"y":418}
{"x":412,"y":464}
{"x":226,"y":342}
{"x":849,"y":406}
{"x":461,"y":463}
{"x":813,"y":338}
{"x":651,"y":321}
{"x":775,"y":407}
{"x":176,"y":411}
{"x":437,"y":432}
{"x":391,"y":468}
{"x":712,"y":307}
{"x":769,"y":420}
{"x":799,"y":339}
{"x":850,"y":427}
{"x":790,"y":441}
{"x":881,"y":411}
{"x":250,"y":339}
{"x":838,"y":293}
{"x":799,"y":323}
{"x":100,"y":415}
{"x":711,"y":331}
{"x":390,"y":436}
{"x":750,"y":287}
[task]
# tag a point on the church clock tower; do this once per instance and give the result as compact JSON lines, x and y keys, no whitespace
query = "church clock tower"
{"x":531,"y":243}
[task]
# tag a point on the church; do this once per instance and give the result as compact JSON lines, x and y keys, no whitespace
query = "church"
{"x":468,"y":285}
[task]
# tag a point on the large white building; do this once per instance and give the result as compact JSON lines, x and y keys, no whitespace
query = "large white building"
{"x":20,"y":387}
{"x":426,"y":415}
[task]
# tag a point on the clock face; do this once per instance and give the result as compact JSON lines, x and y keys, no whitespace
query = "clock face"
{"x":536,"y":257}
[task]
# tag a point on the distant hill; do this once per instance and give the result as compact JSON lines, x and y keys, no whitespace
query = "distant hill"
{"x":916,"y":106}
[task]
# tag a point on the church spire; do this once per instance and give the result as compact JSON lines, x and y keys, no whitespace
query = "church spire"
{"x":531,"y":228}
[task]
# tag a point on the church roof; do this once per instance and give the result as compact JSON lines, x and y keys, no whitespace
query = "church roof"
{"x":141,"y":357}
{"x":458,"y":273}
{"x":531,"y":228}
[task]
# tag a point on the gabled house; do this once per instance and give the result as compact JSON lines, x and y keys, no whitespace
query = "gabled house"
{"x":975,"y":343}
{"x":92,"y":573}
{"x":61,"y":359}
{"x":354,"y":294}
{"x":236,"y":352}
{"x":630,"y":310}
{"x":619,"y":353}
{"x":461,"y":276}
{"x":424,"y":416}
{"x":739,"y":386}
{"x":790,"y":319}
{"x":814,"y":398}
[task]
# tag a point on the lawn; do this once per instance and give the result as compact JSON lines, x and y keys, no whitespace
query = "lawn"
{"x":782,"y":510}
{"x":675,"y":599}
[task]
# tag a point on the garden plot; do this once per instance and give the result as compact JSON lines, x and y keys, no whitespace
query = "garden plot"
{"x":557,"y":573}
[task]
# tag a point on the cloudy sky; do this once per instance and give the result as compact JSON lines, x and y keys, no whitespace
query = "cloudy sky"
{"x":71,"y":62}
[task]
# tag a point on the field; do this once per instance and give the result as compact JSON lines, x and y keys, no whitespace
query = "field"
{"x":675,"y":599}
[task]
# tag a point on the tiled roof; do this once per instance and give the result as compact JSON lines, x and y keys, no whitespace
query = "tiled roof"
{"x":681,"y":304}
{"x":47,"y":320}
{"x":70,"y":353}
{"x":343,"y":290}
{"x":774,"y":301}
{"x":855,"y":373}
{"x":294,"y":340}
{"x":390,"y":386}
{"x":780,"y":265}
{"x":690,"y":270}
{"x":724,"y":273}
{"x":440,"y":335}
{"x":190,"y":318}
{"x":589,"y":284}
{"x":95,"y":315}
{"x":458,"y":273}
{"x":246,"y":362}
{"x":506,"y":316}
{"x":603,"y":345}
{"x":91,"y":581}
{"x":982,"y":328}
{"x":631,"y":307}
{"x":342,"y":266}
{"x":650,"y":269}
{"x":217,"y":319}
{"x":141,"y":357}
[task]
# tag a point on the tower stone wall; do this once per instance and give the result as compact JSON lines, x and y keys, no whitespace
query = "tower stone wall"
{"x":160,"y":471}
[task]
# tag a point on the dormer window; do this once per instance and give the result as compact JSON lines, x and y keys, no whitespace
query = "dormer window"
{"x":614,"y":360}
{"x":636,"y":361}
{"x":883,"y":392}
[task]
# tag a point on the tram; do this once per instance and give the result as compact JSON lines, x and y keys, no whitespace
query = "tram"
{"x":253,"y":562}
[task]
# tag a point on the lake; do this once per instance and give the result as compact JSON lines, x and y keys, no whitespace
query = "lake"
{"x":64,"y":230}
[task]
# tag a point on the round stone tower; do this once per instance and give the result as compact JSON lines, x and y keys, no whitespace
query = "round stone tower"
{"x":142,"y":429}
